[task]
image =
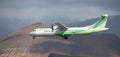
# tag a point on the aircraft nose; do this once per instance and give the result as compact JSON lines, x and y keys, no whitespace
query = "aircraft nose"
{"x":31,"y":33}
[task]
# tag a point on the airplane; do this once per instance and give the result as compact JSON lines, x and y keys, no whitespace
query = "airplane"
{"x":65,"y":32}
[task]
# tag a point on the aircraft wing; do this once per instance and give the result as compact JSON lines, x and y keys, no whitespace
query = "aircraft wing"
{"x":61,"y":26}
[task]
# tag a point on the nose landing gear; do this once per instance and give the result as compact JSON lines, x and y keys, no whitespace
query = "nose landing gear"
{"x":33,"y":37}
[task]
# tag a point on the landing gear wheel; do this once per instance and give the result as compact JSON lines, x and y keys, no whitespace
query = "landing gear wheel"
{"x":65,"y":38}
{"x":33,"y":37}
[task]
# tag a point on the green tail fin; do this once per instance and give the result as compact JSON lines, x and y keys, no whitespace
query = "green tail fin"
{"x":102,"y":22}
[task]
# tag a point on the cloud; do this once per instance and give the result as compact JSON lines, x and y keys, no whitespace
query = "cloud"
{"x":57,"y":10}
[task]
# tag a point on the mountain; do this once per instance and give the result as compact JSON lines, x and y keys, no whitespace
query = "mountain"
{"x":112,"y":23}
{"x":20,"y":44}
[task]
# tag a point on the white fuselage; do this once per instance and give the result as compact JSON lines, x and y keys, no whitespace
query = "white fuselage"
{"x":49,"y":32}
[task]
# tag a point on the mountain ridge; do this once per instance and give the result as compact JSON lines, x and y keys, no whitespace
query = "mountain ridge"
{"x":95,"y":45}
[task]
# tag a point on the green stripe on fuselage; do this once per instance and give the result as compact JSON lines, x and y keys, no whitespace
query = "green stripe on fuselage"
{"x":95,"y":28}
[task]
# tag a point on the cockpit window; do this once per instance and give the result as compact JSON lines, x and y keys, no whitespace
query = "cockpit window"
{"x":34,"y":30}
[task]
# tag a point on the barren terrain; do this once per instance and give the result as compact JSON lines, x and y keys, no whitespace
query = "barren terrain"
{"x":20,"y":44}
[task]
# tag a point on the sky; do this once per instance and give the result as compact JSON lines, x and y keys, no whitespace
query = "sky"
{"x":50,"y":11}
{"x":15,"y":14}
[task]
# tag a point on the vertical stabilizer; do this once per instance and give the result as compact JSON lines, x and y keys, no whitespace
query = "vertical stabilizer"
{"x":102,"y":22}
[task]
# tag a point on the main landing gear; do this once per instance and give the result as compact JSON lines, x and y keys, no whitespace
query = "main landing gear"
{"x":65,"y":38}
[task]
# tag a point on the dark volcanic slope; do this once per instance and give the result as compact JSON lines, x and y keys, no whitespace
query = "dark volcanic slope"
{"x":22,"y":45}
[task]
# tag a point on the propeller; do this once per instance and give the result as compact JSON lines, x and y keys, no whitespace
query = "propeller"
{"x":52,"y":27}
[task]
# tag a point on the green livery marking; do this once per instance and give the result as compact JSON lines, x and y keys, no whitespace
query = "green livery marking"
{"x":94,"y":28}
